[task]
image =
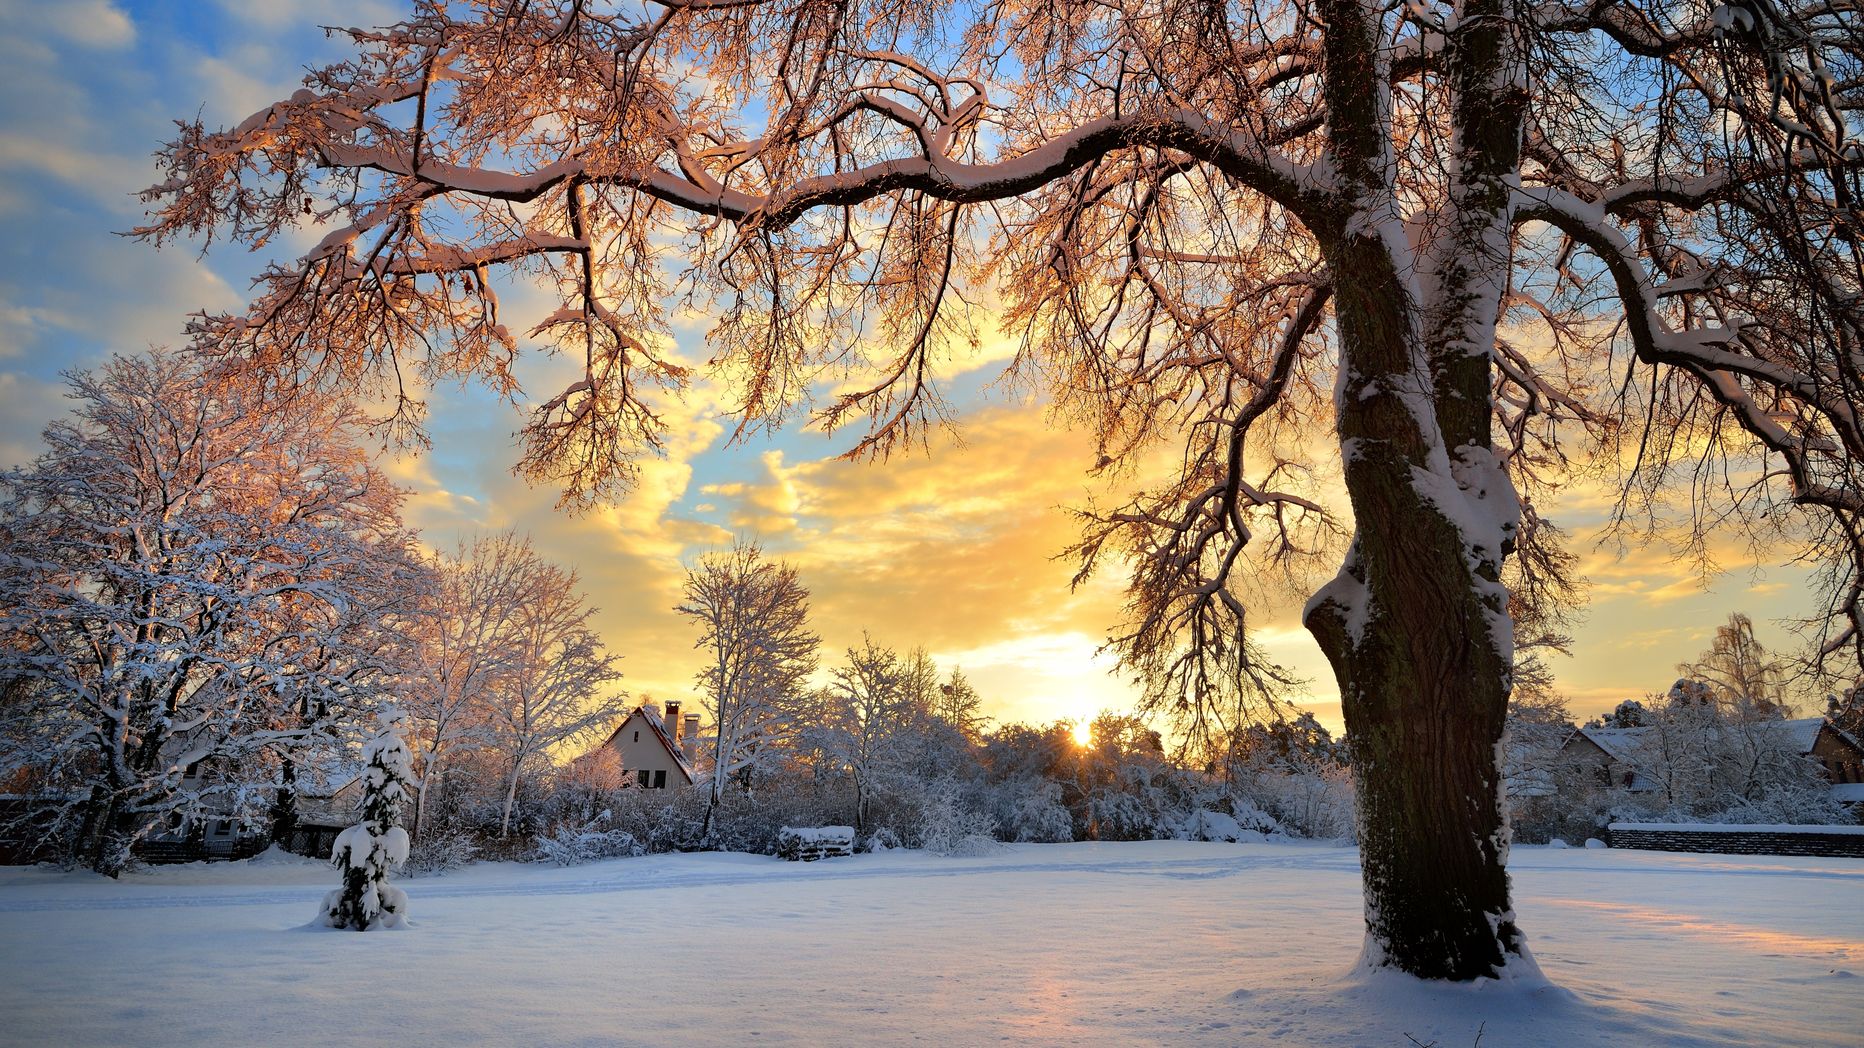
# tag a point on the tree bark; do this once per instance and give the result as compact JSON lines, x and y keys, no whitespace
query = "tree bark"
{"x":511,"y":797}
{"x":1415,"y":629}
{"x":285,"y":804}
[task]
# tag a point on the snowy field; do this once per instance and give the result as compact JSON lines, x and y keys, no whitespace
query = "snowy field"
{"x":1152,"y":943}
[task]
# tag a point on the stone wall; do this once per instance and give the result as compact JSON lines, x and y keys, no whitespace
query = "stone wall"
{"x":1841,"y":841}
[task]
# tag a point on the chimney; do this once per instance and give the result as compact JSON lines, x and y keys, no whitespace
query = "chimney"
{"x":689,"y":738}
{"x":672,"y":723}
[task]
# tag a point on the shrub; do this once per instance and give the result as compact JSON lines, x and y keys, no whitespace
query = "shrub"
{"x":438,"y":853}
{"x":575,"y":844}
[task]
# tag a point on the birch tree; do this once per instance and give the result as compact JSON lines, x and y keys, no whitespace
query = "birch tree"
{"x":753,"y":617}
{"x":1486,"y":243}
{"x":1741,"y":671}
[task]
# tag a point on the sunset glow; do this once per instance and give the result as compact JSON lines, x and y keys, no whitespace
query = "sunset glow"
{"x":1175,"y":522}
{"x":951,"y":547}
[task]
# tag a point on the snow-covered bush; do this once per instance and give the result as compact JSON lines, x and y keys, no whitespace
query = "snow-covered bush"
{"x":369,"y":850}
{"x":948,"y":826}
{"x":575,"y":844}
{"x":439,"y":853}
{"x":1315,"y":802}
{"x":1031,"y":811}
{"x":1208,"y":824}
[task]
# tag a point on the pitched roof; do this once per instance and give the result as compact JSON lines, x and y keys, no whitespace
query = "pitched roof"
{"x":1620,"y":744}
{"x":1804,"y":731}
{"x":660,"y":732}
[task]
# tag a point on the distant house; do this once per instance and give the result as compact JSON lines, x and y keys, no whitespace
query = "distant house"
{"x":325,"y":810}
{"x":653,"y":749}
{"x":1613,"y":756}
{"x":1837,"y":751}
{"x":1609,"y":757}
{"x":327,"y":797}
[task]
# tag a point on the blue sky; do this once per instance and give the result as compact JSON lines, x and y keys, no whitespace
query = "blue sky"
{"x":950,"y":549}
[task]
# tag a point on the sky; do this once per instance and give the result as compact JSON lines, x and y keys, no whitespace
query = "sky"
{"x":952,"y":548}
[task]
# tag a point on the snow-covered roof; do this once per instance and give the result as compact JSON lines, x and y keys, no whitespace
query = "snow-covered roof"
{"x":1804,"y":731}
{"x":1620,"y":744}
{"x":650,"y":715}
{"x":327,"y":778}
{"x":1848,"y":792}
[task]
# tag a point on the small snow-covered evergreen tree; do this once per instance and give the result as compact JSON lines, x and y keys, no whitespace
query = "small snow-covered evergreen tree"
{"x":367,"y":851}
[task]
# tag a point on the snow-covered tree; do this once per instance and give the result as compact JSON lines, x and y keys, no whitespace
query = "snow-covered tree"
{"x":1483,"y":241}
{"x":559,"y":685}
{"x":1122,"y":782}
{"x":868,"y":719}
{"x":1628,"y":714}
{"x":1702,"y":753}
{"x":959,"y":705}
{"x":469,"y":640}
{"x":753,"y":619}
{"x":376,"y":845}
{"x":196,"y":588}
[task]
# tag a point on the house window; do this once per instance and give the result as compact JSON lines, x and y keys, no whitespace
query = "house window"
{"x":637,"y":736}
{"x":640,"y":778}
{"x":660,"y":780}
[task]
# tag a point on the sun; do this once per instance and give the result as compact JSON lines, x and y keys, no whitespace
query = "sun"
{"x":1083,"y":732}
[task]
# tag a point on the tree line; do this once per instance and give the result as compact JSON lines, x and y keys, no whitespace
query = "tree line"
{"x":896,"y":746}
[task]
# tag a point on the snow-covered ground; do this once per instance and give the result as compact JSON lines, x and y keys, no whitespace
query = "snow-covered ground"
{"x":1153,"y":943}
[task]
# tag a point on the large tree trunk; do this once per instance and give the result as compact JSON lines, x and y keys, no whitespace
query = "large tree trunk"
{"x":1424,"y":717}
{"x":1416,"y":628}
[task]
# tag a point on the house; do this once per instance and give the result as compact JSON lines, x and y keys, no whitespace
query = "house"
{"x":326,"y":798}
{"x":1836,"y":750}
{"x":1614,"y":756}
{"x":654,"y":750}
{"x":1609,"y":757}
{"x":325,"y":810}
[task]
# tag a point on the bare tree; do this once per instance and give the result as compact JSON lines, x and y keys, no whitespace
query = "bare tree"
{"x":1741,"y":671}
{"x":192,"y":594}
{"x":753,"y":617}
{"x":1489,"y":242}
{"x":557,"y":687}
{"x":470,"y":640}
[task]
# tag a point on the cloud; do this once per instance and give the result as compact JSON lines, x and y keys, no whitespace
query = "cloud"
{"x":276,"y":16}
{"x":29,"y":405}
{"x":96,"y":24}
{"x":952,"y":549}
